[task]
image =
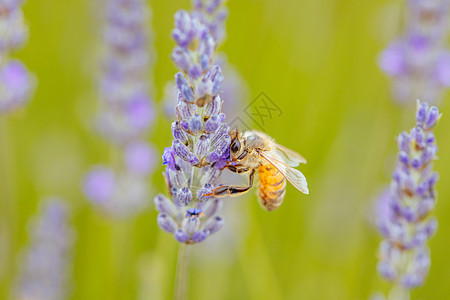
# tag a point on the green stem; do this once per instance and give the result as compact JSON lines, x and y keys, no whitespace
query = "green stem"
{"x":182,"y":273}
{"x":7,"y":216}
{"x":398,"y":292}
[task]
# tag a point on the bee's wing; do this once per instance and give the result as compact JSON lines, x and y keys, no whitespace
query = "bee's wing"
{"x":290,"y":157}
{"x":294,"y":176}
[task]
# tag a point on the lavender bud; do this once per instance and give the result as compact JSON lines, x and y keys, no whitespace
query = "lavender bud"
{"x":195,"y":71}
{"x":419,"y":136}
{"x":165,"y":206}
{"x":428,"y":154}
{"x":213,"y":157}
{"x":433,"y":116}
{"x":214,"y":106}
{"x":211,"y":208}
{"x":403,"y":157}
{"x":181,"y":59}
{"x":184,"y":111}
{"x":431,"y":227}
{"x":422,"y":188}
{"x":409,"y":214}
{"x":212,"y":124}
{"x":166,"y":223}
{"x":213,"y":225}
{"x":425,"y":206}
{"x":200,"y":236}
{"x":433,"y":179}
{"x":411,"y":281}
{"x":169,"y":158}
{"x":403,"y":142}
{"x":221,"y":133}
{"x":429,"y":138}
{"x":184,"y":87}
{"x":422,"y":113}
{"x":184,"y":196}
{"x":183,"y":152}
{"x":415,"y":163}
{"x":206,"y":189}
{"x":195,"y":123}
{"x":386,"y":271}
{"x":181,"y":236}
{"x":178,"y":133}
{"x":201,"y":146}
{"x":205,"y":62}
{"x":191,"y":225}
{"x":184,"y":124}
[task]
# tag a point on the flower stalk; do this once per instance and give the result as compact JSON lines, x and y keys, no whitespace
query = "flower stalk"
{"x":182,"y":272}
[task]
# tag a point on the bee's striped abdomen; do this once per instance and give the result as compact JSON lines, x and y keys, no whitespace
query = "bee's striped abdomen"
{"x":271,"y":187}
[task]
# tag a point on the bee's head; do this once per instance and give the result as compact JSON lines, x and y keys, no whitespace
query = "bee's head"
{"x":237,"y":146}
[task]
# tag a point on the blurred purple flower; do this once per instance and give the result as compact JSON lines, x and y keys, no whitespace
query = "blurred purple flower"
{"x":16,"y":83}
{"x":140,"y":111}
{"x":126,"y":111}
{"x":45,"y":267}
{"x":117,"y":194}
{"x":124,"y":84}
{"x":140,"y":158}
{"x":99,"y":184}
{"x":417,"y":60}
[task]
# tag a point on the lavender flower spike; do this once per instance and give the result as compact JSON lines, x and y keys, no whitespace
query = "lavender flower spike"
{"x":201,"y":137}
{"x":46,"y":265}
{"x":406,"y":223}
{"x":16,"y":83}
{"x":126,"y":113}
{"x":418,"y":61}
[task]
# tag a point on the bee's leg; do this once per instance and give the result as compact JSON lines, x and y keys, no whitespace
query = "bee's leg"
{"x":238,"y":170}
{"x":227,"y":190}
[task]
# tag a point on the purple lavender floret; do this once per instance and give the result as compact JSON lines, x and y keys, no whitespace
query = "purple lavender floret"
{"x":404,"y":212}
{"x":45,"y":267}
{"x":200,"y":137}
{"x":418,"y":61}
{"x":16,"y":85}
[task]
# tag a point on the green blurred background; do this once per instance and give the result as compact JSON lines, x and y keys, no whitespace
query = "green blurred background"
{"x":317,"y":61}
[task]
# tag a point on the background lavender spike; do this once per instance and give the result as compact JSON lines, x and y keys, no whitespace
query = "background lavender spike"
{"x":126,"y":111}
{"x":200,"y":136}
{"x":404,"y":212}
{"x":16,"y":83}
{"x":418,"y":61}
{"x":46,"y":265}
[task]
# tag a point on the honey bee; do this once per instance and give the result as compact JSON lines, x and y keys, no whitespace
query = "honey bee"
{"x":254,"y":150}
